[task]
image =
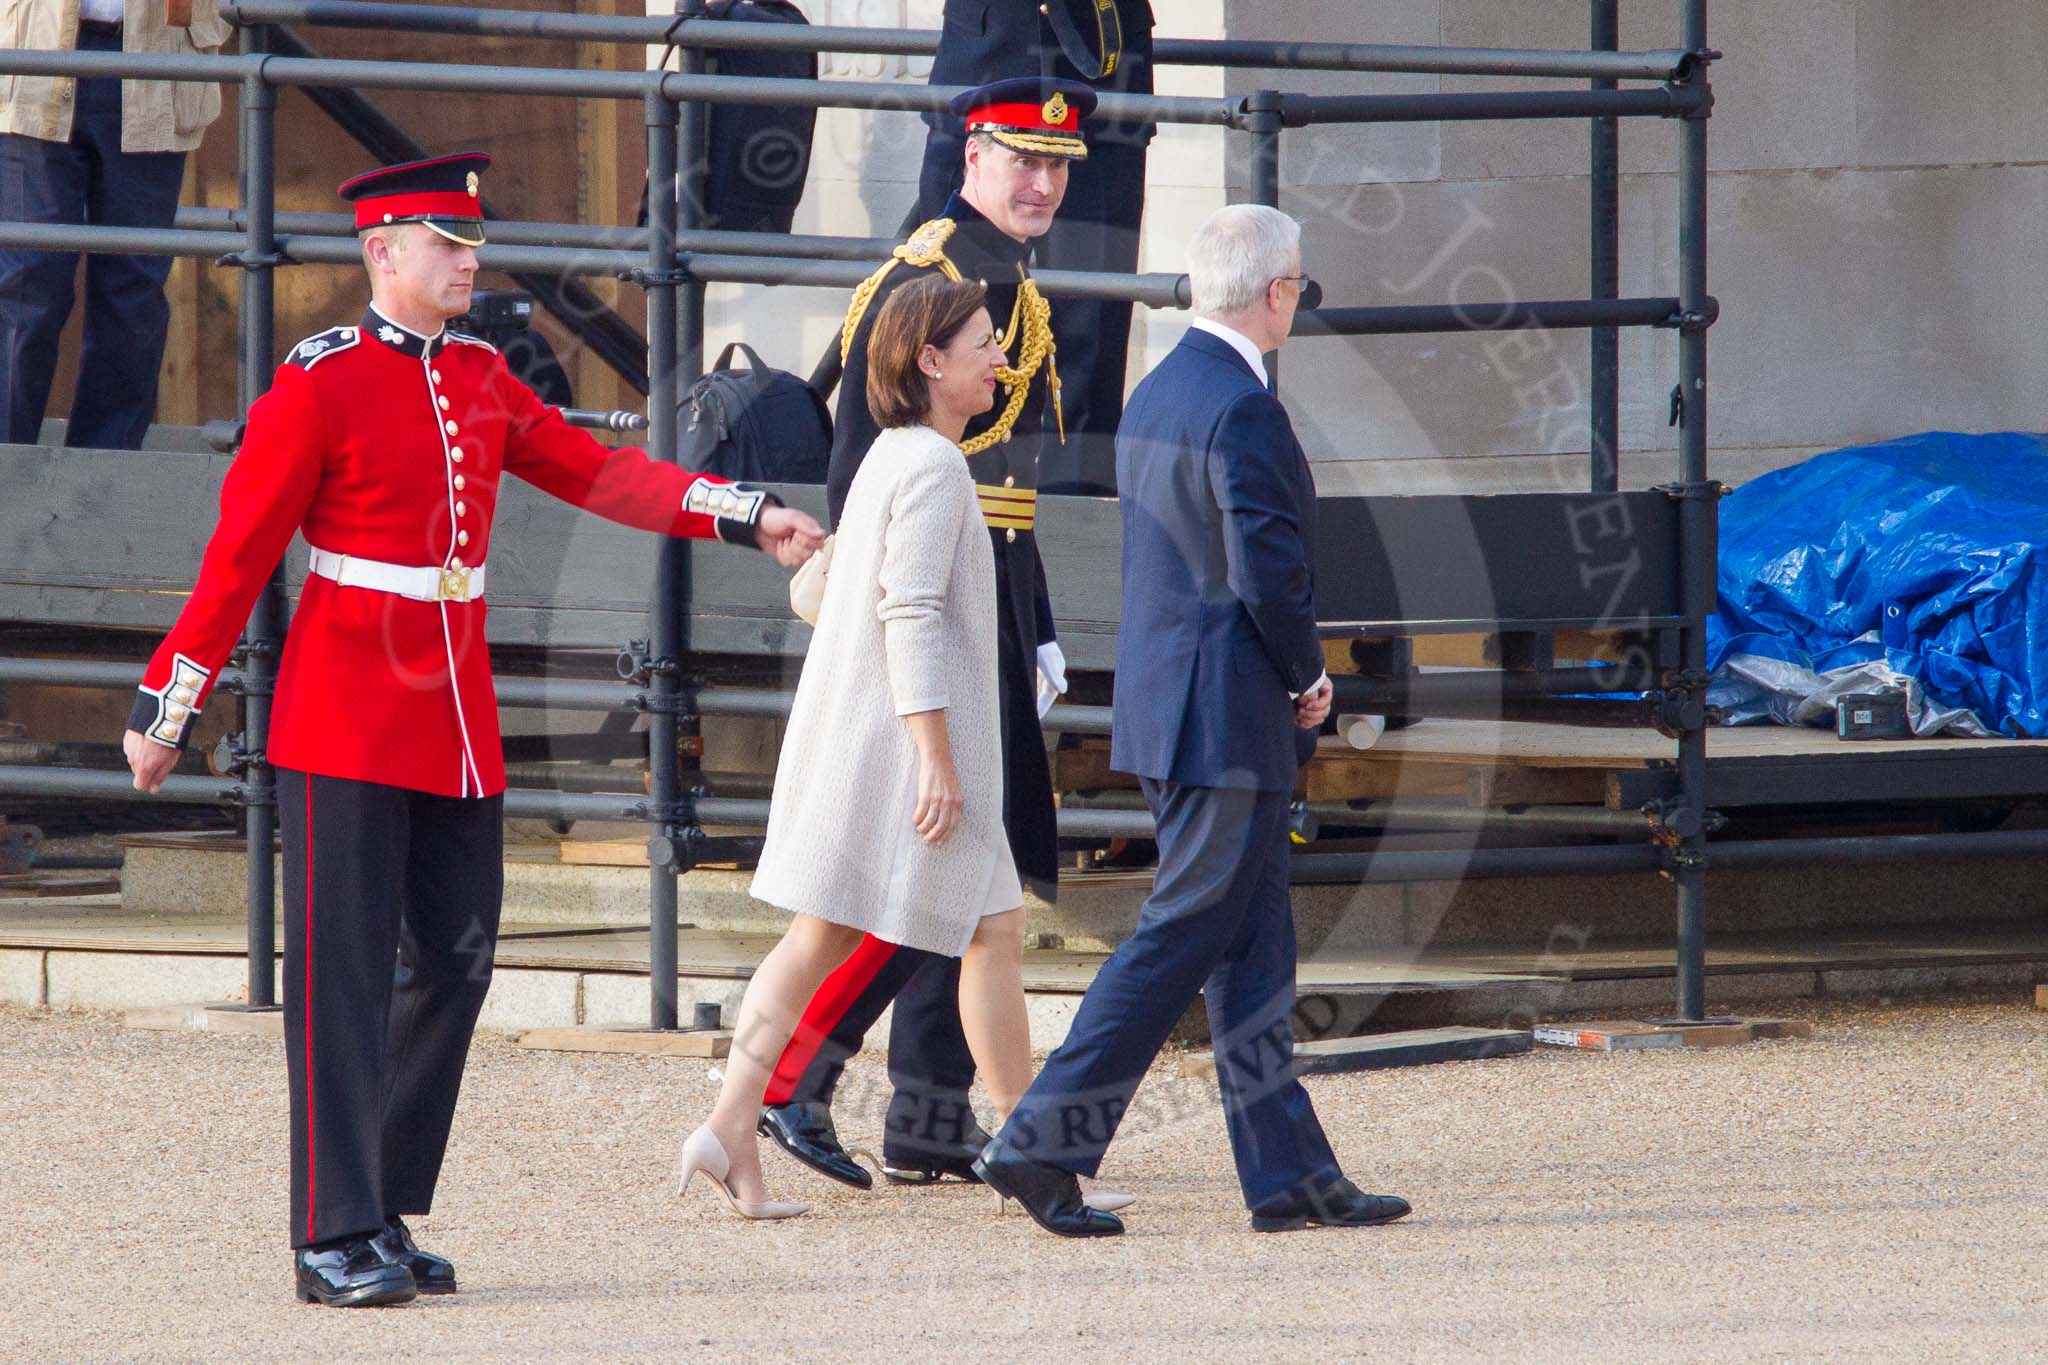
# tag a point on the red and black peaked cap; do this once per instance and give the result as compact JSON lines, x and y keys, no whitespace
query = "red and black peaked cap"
{"x":443,"y":192}
{"x":1039,"y":116}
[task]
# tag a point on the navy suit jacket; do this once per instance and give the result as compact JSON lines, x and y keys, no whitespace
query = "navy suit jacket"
{"x":1219,"y":619}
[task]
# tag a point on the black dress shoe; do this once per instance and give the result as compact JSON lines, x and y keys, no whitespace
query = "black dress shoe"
{"x":350,"y":1274}
{"x":1050,"y":1195}
{"x":433,"y":1274}
{"x":1335,"y":1203}
{"x":929,"y":1166}
{"x":805,"y":1131}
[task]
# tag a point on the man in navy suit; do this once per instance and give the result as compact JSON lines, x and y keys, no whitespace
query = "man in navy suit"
{"x":1221,"y":690}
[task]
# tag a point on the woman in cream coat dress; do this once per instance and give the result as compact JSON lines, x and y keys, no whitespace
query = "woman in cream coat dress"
{"x":887,"y":815}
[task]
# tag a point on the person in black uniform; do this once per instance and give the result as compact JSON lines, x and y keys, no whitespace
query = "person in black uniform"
{"x":1025,"y":136}
{"x":1108,"y":45}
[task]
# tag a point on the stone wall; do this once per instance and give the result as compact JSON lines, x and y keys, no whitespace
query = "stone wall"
{"x":1878,"y":171}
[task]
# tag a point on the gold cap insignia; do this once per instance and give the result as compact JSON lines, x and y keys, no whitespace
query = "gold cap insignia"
{"x":470,"y":184}
{"x":1055,"y":110}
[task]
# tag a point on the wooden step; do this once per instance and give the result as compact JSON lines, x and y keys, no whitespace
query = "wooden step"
{"x":1378,"y":1051}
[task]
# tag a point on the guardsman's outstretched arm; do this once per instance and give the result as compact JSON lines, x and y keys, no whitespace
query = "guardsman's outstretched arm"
{"x":262,"y":501}
{"x":623,"y":484}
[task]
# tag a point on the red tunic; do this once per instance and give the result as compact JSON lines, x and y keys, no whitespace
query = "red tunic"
{"x":383,"y":445}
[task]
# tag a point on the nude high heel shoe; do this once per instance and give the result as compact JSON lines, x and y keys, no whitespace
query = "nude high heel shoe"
{"x":1101,"y":1200}
{"x":703,"y":1152}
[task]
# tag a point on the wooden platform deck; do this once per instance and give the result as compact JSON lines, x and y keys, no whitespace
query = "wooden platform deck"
{"x":1502,"y":763}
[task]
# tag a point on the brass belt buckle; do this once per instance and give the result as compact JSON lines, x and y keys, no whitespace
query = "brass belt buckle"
{"x":455,"y":585}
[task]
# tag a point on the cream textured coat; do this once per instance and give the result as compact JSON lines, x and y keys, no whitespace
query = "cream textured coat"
{"x":156,"y":116}
{"x":908,"y":624}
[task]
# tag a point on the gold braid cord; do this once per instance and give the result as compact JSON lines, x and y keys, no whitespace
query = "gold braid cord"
{"x":925,"y":249}
{"x":1036,"y":315}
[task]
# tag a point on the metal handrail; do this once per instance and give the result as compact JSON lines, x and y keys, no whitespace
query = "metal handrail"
{"x":1657,"y":65}
{"x":674,"y":284}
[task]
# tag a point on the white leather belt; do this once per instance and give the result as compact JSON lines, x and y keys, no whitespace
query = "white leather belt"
{"x":422,"y":583}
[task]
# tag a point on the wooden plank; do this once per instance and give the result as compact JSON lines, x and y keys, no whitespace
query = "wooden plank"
{"x":1634,"y":1036}
{"x":1355,"y":775}
{"x":1378,"y":1051}
{"x":1532,"y":786}
{"x":1607,"y":1037}
{"x":1087,"y":769}
{"x":647,"y":1043}
{"x":602,"y":852}
{"x":227,"y":1019}
{"x":2041,"y":997}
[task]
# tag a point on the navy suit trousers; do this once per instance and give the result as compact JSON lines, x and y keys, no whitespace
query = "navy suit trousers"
{"x":88,"y":180}
{"x":1218,"y":921}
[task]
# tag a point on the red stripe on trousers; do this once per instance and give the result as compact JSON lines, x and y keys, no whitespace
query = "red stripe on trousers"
{"x":312,"y":1171}
{"x":834,"y":998}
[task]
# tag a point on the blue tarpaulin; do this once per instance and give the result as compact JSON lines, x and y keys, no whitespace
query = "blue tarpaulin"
{"x":1919,"y":555}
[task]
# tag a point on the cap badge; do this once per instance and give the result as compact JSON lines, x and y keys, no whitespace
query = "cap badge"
{"x":470,"y":184}
{"x":1055,"y":110}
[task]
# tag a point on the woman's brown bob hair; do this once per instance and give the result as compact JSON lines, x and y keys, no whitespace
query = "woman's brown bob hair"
{"x":925,"y":312}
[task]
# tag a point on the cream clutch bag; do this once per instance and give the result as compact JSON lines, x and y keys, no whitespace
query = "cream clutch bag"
{"x":807,"y":584}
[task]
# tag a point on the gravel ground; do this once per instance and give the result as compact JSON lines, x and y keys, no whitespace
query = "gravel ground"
{"x":1874,"y":1193}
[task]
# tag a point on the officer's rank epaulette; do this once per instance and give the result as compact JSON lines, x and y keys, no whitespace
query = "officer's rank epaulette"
{"x":1032,"y":316}
{"x":923,"y":249}
{"x":320,"y":345}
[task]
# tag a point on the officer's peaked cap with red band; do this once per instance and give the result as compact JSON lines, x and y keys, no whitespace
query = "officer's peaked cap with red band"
{"x":443,"y":192}
{"x":1036,"y":115}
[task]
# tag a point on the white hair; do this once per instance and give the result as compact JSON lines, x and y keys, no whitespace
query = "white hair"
{"x":1236,"y":252}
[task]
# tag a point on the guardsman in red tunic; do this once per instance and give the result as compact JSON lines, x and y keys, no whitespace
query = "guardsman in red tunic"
{"x":385,"y":443}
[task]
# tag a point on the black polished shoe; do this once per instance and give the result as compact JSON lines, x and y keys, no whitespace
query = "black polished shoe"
{"x":1050,"y":1195}
{"x":433,"y":1274}
{"x":805,"y":1131}
{"x":929,"y":1166}
{"x":1335,"y":1203}
{"x":350,"y":1274}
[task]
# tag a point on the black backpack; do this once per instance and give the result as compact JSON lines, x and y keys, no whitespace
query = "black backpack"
{"x":759,"y":154}
{"x":756,"y":424}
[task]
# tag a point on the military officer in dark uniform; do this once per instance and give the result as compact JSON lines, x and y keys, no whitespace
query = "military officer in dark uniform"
{"x":387,"y":443}
{"x":1108,"y":45}
{"x":1024,"y":137}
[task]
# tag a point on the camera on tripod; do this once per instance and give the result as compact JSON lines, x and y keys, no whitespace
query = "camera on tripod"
{"x":504,"y":317}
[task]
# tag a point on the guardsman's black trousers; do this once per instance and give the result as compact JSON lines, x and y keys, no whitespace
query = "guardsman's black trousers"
{"x":391,"y":901}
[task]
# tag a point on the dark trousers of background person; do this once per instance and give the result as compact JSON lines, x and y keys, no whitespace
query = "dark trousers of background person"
{"x":1218,"y":923}
{"x":391,"y":902}
{"x":88,"y":180}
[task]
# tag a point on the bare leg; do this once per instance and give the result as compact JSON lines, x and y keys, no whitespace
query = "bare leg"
{"x":992,"y":1007}
{"x":782,"y":986}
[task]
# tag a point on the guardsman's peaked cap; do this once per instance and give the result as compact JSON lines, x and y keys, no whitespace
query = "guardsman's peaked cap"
{"x":443,"y":192}
{"x":1035,"y":115}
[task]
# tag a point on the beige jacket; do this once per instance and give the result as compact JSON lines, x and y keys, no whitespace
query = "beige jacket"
{"x":156,"y":116}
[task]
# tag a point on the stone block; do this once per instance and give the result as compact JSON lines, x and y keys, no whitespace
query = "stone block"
{"x":1938,"y":83}
{"x":1340,"y":155}
{"x":521,"y":999}
{"x":21,"y":977}
{"x":1899,"y":325}
{"x":121,"y":981}
{"x":620,"y":1000}
{"x":189,"y":874}
{"x":1783,"y":96}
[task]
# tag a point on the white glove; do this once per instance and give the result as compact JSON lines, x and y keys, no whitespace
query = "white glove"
{"x":1052,"y":676}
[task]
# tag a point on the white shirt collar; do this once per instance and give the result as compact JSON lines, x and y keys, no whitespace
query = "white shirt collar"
{"x":1239,"y":342}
